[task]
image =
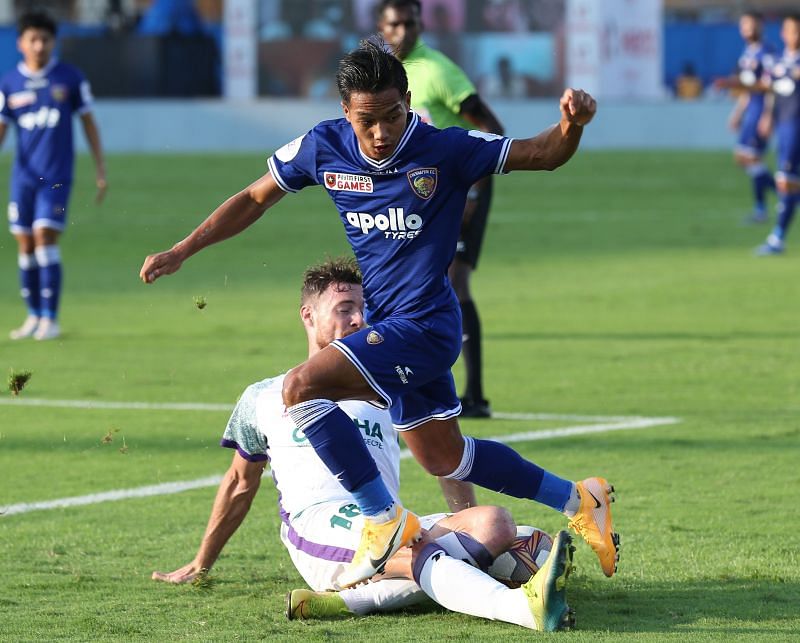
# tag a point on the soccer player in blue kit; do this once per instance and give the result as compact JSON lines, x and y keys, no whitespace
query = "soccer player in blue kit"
{"x":783,"y":82}
{"x":40,"y":97}
{"x":400,"y":186}
{"x":751,"y":145}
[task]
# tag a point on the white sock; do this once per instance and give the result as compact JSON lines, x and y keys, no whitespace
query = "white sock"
{"x":459,"y":587}
{"x":574,"y":502}
{"x":383,"y":596}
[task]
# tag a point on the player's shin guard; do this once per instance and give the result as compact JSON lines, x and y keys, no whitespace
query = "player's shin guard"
{"x":29,"y":283}
{"x":495,"y":466}
{"x":460,"y":587}
{"x":340,"y":446}
{"x":786,"y":208}
{"x":386,"y":596}
{"x":763,"y":181}
{"x":50,"y":277}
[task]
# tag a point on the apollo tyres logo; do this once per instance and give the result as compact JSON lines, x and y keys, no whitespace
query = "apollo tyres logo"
{"x":394,"y":225}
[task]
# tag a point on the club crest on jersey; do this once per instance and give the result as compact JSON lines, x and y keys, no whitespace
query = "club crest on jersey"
{"x":423,"y":181}
{"x":348,"y":182}
{"x":374,"y":338}
{"x":59,"y":93}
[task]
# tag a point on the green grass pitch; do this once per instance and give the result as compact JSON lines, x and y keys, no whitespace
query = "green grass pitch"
{"x":622,"y":284}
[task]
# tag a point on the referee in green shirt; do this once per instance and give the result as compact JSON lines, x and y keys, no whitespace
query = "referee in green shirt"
{"x":443,"y":95}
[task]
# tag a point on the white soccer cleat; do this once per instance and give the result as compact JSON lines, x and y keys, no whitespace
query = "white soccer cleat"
{"x":27,"y":329}
{"x":48,"y":329}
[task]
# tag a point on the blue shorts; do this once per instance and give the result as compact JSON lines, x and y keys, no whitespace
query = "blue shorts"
{"x":750,"y":142}
{"x":788,"y":167}
{"x":37,"y":206}
{"x":407,"y":362}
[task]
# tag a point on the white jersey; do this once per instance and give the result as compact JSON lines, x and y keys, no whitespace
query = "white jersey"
{"x":260,"y":429}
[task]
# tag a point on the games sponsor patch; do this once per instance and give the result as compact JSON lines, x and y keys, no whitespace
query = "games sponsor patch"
{"x":21,"y":99}
{"x":423,"y":181}
{"x":348,"y":182}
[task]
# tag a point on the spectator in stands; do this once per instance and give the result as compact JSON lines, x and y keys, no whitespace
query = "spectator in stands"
{"x":166,"y":17}
{"x":688,"y":85}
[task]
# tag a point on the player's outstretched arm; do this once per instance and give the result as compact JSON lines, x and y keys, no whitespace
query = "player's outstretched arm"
{"x":556,"y":145}
{"x":3,"y":130}
{"x":234,"y":497}
{"x":229,"y":219}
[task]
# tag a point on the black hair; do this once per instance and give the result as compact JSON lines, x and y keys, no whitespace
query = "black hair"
{"x":371,"y":69}
{"x":793,"y":16}
{"x":317,"y":278}
{"x":36,"y":19}
{"x":397,"y":4}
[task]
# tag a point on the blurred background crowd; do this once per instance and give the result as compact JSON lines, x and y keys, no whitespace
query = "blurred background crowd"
{"x":510,"y":48}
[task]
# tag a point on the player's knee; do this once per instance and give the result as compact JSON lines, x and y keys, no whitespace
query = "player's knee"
{"x":496,"y":529}
{"x":440,"y":463}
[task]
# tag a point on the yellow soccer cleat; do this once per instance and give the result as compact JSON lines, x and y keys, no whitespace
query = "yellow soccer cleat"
{"x":593,"y":522}
{"x":379,"y":542}
{"x":546,"y":590}
{"x":303,"y":604}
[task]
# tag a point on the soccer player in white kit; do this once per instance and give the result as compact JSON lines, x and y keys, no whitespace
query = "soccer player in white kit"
{"x":321,"y":525}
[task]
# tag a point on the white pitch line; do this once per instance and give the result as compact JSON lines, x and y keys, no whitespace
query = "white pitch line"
{"x":169,"y":488}
{"x":133,"y":406}
{"x":110,"y":496}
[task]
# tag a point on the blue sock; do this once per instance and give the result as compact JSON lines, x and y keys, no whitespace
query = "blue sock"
{"x":495,"y":466}
{"x":49,"y":260}
{"x":29,"y":283}
{"x":786,"y":206}
{"x":338,"y":443}
{"x":762,"y":183}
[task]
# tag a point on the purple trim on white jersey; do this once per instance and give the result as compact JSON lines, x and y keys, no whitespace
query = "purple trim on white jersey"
{"x":325,"y":552}
{"x":232,"y":444}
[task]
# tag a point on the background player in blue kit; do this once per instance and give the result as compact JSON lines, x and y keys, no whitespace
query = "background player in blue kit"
{"x":751,"y":145}
{"x":40,"y":97}
{"x":400,"y":186}
{"x":783,"y":81}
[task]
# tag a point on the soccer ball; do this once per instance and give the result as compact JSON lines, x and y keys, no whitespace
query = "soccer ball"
{"x":523,"y":559}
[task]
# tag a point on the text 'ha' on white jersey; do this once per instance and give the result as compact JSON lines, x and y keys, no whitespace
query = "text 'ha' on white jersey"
{"x":260,"y":429}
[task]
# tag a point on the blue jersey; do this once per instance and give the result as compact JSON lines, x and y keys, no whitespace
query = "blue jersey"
{"x":784,"y":78}
{"x":751,"y":69}
{"x":402,"y":215}
{"x":42,"y":104}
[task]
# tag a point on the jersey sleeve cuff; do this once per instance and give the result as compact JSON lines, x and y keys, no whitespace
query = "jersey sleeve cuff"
{"x":86,"y":109}
{"x":501,"y":161}
{"x":273,"y":168}
{"x":250,"y":457}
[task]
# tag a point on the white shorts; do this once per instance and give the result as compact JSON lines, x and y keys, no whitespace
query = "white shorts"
{"x":323,"y":539}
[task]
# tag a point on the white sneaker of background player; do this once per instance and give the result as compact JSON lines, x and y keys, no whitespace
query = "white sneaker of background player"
{"x":48,"y":329}
{"x":27,"y":329}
